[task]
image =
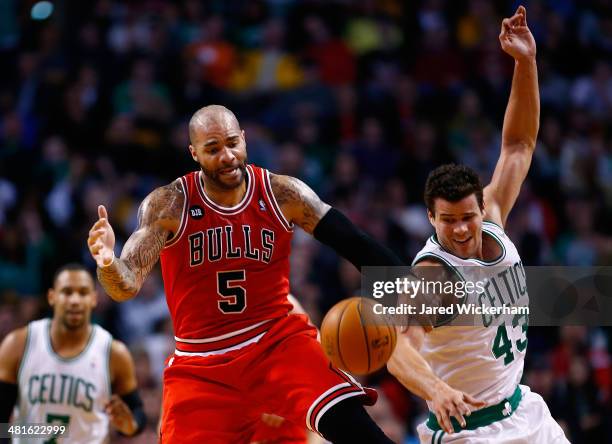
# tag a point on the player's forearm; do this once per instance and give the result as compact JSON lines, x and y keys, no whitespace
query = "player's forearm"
{"x":522,"y":118}
{"x":411,"y":369}
{"x":338,"y":232}
{"x":119,"y":281}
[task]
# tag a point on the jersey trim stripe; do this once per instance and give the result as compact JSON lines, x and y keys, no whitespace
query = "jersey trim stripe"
{"x":221,"y":351}
{"x":222,"y":342}
{"x":497,"y":260}
{"x":179,"y":233}
{"x":220,"y":337}
{"x":52,"y":352}
{"x":493,"y":223}
{"x":329,"y":399}
{"x":435,"y":256}
{"x":227,"y":211}
{"x":275,"y":207}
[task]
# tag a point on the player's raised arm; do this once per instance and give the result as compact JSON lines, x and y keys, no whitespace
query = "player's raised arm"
{"x":521,"y":120}
{"x":158,"y":219}
{"x":301,"y":206}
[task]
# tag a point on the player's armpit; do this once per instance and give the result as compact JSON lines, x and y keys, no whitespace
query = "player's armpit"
{"x":159,"y":218}
{"x":298,"y":202}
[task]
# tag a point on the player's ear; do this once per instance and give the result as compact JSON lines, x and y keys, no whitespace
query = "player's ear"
{"x":243,"y":135}
{"x":431,"y":217}
{"x":51,"y":297}
{"x":193,"y":152}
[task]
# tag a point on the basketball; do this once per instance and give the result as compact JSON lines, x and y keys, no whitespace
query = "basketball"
{"x":355,"y":339}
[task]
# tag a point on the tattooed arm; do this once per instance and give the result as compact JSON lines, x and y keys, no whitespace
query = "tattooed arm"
{"x":303,"y":207}
{"x":298,"y":202}
{"x":159,"y":217}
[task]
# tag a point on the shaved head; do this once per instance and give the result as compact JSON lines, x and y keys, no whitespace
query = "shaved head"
{"x":211,"y":114}
{"x":218,"y":145}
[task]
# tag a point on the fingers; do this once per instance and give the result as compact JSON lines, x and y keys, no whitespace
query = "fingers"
{"x":523,"y":13}
{"x":459,"y":416}
{"x":102,"y":214}
{"x":473,"y":401}
{"x":99,"y":224}
{"x":114,"y":405}
{"x":444,"y":421}
{"x":118,"y":412}
{"x":505,"y":27}
{"x":94,"y":235}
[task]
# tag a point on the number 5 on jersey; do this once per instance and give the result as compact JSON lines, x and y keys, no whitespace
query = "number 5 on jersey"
{"x":233,"y":294}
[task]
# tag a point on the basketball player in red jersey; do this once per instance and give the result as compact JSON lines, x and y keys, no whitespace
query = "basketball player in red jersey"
{"x":223,"y":234}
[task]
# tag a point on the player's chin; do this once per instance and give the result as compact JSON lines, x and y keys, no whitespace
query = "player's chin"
{"x":74,"y":322}
{"x":464,"y":248}
{"x":231,"y":180}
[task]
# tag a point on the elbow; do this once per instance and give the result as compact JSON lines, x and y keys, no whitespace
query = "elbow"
{"x":122,"y":295}
{"x":519,"y":144}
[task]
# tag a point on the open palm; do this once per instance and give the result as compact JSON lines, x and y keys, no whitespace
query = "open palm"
{"x":515,"y":37}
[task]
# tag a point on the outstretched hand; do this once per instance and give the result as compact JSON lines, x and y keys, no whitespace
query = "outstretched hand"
{"x":101,"y":240}
{"x":516,"y":38}
{"x":448,"y":402}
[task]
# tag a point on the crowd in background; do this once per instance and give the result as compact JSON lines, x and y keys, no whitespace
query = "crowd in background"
{"x":360,"y":99}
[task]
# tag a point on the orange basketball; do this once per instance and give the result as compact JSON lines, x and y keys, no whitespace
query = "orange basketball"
{"x":355,"y":339}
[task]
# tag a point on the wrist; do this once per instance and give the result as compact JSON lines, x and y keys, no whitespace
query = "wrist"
{"x":106,"y":265}
{"x":525,"y":59}
{"x":437,"y":387}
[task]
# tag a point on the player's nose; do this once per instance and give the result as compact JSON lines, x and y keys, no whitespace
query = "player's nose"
{"x":227,"y":156}
{"x":74,"y":298}
{"x":460,"y":228}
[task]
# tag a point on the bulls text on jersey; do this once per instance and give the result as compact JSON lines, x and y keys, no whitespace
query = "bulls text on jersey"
{"x":231,"y":242}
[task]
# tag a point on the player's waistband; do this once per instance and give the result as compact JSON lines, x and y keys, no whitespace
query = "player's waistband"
{"x":483,"y":417}
{"x":218,"y":345}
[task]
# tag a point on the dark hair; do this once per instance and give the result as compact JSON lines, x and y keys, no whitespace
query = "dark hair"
{"x":73,"y":266}
{"x":452,"y":183}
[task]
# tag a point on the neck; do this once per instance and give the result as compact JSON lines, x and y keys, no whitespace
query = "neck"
{"x":63,"y":337}
{"x":223,"y":196}
{"x":479,"y":254}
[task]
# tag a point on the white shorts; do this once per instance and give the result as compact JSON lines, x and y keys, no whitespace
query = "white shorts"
{"x":530,"y":423}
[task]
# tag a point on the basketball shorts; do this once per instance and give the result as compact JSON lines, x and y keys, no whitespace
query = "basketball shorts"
{"x":530,"y":423}
{"x":287,"y":433}
{"x":219,"y":399}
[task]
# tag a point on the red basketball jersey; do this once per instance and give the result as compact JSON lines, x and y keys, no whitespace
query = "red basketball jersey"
{"x":226,"y":270}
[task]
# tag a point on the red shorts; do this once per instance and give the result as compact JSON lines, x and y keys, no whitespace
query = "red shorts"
{"x":219,"y":399}
{"x":287,"y":433}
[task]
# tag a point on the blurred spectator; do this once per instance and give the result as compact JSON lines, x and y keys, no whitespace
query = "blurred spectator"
{"x":215,"y":56}
{"x":270,"y":67}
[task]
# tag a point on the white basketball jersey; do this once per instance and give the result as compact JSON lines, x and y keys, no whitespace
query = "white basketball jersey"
{"x":485,"y":362}
{"x":54,"y":390}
